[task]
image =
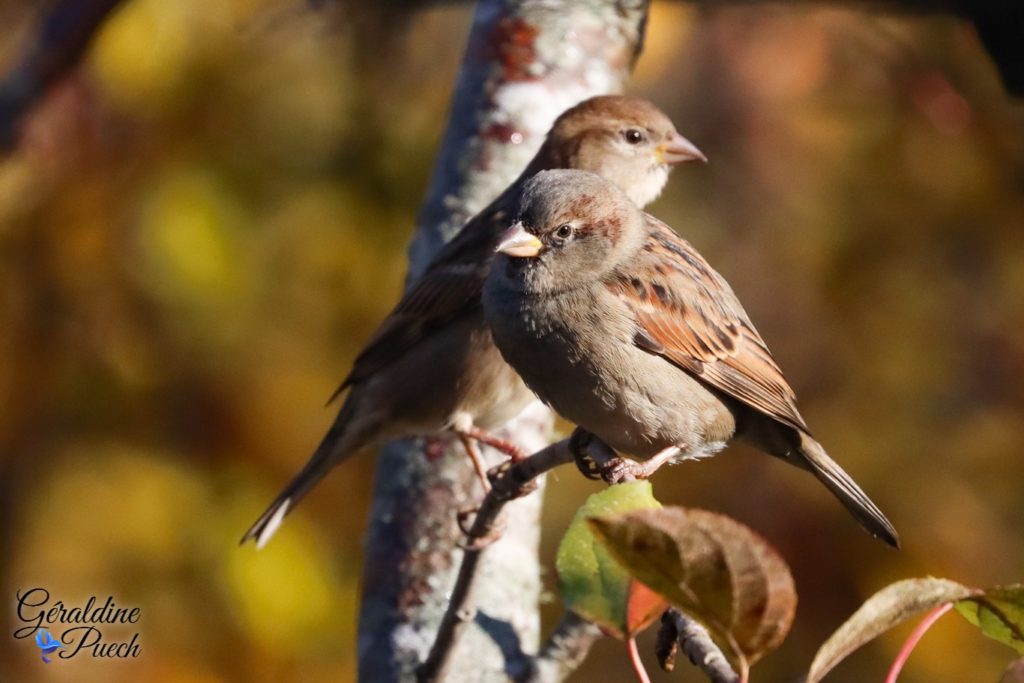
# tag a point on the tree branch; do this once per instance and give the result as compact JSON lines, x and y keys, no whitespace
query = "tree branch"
{"x":572,"y":639}
{"x":61,"y":38}
{"x":680,"y":631}
{"x":66,"y":30}
{"x":525,"y":63}
{"x":565,"y":649}
{"x":514,"y":482}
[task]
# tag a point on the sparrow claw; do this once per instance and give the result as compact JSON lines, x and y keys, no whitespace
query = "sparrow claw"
{"x":620,"y":470}
{"x":597,"y":460}
{"x":509,"y":448}
{"x":586,"y":465}
{"x":515,"y":453}
{"x":617,"y":470}
{"x":590,"y":455}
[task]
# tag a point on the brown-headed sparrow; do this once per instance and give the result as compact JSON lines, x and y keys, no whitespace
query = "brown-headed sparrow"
{"x":623,"y":328}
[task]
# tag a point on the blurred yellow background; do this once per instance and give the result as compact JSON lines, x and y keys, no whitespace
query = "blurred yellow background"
{"x":204,"y":224}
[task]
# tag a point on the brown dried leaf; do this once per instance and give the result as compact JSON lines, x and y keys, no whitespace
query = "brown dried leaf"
{"x":886,"y":608}
{"x":712,"y":567}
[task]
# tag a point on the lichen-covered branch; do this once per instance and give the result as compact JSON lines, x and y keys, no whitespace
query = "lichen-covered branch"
{"x":526,"y":62}
{"x":563,"y":652}
{"x":568,"y":645}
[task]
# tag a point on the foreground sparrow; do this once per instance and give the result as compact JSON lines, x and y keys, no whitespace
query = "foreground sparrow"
{"x":618,"y":324}
{"x":431,"y":365}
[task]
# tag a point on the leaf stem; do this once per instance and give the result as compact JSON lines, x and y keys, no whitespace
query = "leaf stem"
{"x":634,"y":659}
{"x":915,"y":637}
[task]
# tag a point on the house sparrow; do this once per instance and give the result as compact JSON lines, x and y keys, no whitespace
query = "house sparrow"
{"x":431,"y":365}
{"x":623,"y":328}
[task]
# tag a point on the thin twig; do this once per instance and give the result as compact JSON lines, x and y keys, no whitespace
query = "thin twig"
{"x":514,"y":482}
{"x":696,"y":643}
{"x":564,"y":650}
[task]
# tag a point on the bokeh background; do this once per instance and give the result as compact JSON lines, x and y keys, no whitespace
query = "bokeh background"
{"x":205,"y":222}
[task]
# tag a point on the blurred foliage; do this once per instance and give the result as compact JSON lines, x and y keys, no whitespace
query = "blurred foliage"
{"x":203,"y":225}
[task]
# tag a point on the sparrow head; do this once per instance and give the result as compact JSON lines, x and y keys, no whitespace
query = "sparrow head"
{"x":626,"y":140}
{"x":571,"y":228}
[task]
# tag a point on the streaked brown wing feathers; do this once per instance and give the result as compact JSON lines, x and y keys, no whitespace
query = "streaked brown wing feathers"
{"x":449,"y":288}
{"x":689,"y":314}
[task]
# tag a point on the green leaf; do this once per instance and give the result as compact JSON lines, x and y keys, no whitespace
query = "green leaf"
{"x":999,"y":613}
{"x":888,"y":607}
{"x":592,"y":584}
{"x":712,"y":567}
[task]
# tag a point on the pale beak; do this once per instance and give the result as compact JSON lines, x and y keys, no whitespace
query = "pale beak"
{"x":678,"y":149}
{"x":518,"y":243}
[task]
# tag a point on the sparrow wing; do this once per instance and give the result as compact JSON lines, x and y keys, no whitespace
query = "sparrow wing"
{"x":687,"y":313}
{"x":449,"y":287}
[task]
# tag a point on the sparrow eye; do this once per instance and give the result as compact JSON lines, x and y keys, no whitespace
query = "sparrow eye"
{"x":564,"y":231}
{"x":634,"y":136}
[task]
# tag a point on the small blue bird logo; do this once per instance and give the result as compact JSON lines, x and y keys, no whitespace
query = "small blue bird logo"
{"x":47,"y":643}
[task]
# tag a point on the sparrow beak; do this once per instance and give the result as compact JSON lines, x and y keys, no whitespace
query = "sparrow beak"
{"x":518,"y":243}
{"x":678,"y":149}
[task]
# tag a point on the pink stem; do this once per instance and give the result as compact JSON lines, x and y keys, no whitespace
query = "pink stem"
{"x":634,"y":659}
{"x":911,"y":643}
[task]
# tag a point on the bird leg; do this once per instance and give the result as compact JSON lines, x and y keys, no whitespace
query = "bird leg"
{"x":596,"y":460}
{"x":464,"y":516}
{"x":469,"y":435}
{"x":620,"y":469}
{"x":591,"y":455}
{"x":467,"y":516}
{"x":478,"y":461}
{"x":504,"y":445}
